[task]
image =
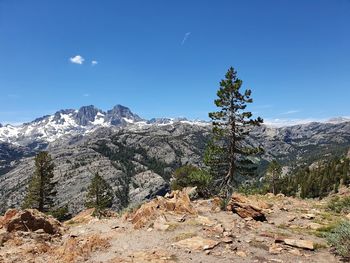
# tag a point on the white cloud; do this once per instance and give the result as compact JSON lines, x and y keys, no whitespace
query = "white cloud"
{"x":86,"y":95}
{"x":187,"y":35}
{"x":94,"y":62}
{"x":77,"y":59}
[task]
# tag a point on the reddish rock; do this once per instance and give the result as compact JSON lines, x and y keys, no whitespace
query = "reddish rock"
{"x":245,"y":208}
{"x":30,"y":220}
{"x":177,"y":202}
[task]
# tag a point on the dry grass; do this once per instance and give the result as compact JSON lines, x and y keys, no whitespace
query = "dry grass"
{"x":155,"y":256}
{"x":182,"y":236}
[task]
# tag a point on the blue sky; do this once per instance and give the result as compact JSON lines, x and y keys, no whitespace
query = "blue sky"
{"x":166,"y":58}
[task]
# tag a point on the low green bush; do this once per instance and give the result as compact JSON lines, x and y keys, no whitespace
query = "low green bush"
{"x":61,"y":213}
{"x":191,"y":176}
{"x":339,"y":205}
{"x":339,"y":238}
{"x":253,"y":189}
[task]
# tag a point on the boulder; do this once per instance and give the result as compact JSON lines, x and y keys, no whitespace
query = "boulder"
{"x":205,"y":221}
{"x":30,"y":220}
{"x":219,"y":229}
{"x":314,"y":226}
{"x":196,"y":243}
{"x":191,"y":192}
{"x":161,"y":223}
{"x":275,"y":249}
{"x":245,"y":208}
{"x":241,"y":253}
{"x":176,"y":201}
{"x":8,"y":215}
{"x":4,"y":236}
{"x":308,"y":216}
{"x":305,"y":244}
{"x":227,"y":240}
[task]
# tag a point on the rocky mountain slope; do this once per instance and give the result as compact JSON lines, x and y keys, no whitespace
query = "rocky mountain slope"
{"x":129,"y":151}
{"x":119,"y":156}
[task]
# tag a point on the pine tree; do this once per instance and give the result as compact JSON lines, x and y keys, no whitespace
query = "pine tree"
{"x":100,"y":195}
{"x":231,"y":126}
{"x":273,"y":174}
{"x":41,"y":190}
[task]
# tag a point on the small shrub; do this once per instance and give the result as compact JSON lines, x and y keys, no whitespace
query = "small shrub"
{"x":61,"y":213}
{"x":189,"y":175}
{"x":183,"y":236}
{"x":181,"y":177}
{"x":254,"y":189}
{"x":339,"y":205}
{"x":202,"y":179}
{"x":224,"y":202}
{"x":339,"y":238}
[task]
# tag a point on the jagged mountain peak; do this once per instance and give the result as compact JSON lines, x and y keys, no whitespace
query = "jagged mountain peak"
{"x":120,"y":114}
{"x":87,"y":114}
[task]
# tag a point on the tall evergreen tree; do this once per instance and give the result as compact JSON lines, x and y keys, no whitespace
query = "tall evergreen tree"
{"x":273,"y":174}
{"x":231,"y":126}
{"x":41,"y":189}
{"x":100,"y":194}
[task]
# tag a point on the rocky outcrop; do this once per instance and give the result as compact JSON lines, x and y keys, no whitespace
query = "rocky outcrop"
{"x":119,"y":113}
{"x":86,"y":115}
{"x":176,"y":201}
{"x":120,"y":156}
{"x":245,"y":208}
{"x":30,"y":220}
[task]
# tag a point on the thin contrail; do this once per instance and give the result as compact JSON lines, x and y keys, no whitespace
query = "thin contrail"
{"x":185,"y":37}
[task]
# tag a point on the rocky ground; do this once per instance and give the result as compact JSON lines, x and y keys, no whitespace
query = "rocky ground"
{"x":175,"y":229}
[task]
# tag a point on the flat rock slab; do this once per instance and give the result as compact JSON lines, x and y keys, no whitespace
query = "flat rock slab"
{"x":205,"y":221}
{"x":197,"y":243}
{"x":305,"y":244}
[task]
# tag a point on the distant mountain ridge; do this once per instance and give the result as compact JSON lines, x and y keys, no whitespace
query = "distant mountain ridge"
{"x":70,"y":122}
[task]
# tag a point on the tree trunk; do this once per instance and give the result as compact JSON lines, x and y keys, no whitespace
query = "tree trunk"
{"x":41,"y":191}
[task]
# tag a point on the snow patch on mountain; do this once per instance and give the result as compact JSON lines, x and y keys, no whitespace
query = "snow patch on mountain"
{"x":86,"y":120}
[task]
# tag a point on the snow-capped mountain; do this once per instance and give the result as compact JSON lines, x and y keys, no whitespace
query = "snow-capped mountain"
{"x":67,"y":122}
{"x":338,"y":120}
{"x":72,"y":122}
